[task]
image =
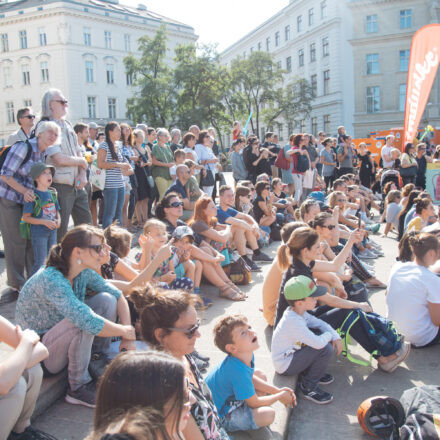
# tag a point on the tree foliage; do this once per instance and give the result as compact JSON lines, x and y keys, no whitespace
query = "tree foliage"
{"x":198,"y":89}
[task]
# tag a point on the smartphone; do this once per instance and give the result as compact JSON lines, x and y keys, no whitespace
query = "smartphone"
{"x":359,"y":221}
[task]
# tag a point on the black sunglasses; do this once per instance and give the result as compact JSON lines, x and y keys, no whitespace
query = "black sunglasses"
{"x":176,"y":204}
{"x":188,"y":332}
{"x":29,"y":116}
{"x":330,"y":227}
{"x":96,"y":247}
{"x":61,"y":101}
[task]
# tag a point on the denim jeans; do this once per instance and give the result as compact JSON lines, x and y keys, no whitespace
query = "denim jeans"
{"x":42,"y":241}
{"x":114,"y":202}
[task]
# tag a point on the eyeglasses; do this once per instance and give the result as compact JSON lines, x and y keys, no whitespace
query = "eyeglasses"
{"x":330,"y":227}
{"x":340,"y":200}
{"x":61,"y":101}
{"x":176,"y":204}
{"x":189,"y":332}
{"x":29,"y":116}
{"x":98,"y":248}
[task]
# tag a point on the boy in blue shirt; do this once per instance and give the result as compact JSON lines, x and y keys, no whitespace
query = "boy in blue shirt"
{"x":43,"y":213}
{"x":241,"y":394}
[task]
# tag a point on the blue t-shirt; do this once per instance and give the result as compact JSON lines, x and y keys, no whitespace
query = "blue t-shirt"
{"x":231,"y":384}
{"x":48,"y":210}
{"x":222,"y":216}
{"x":178,"y":188}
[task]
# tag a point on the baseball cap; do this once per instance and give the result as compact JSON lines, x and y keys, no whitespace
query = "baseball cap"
{"x":182,"y":231}
{"x":93,"y":125}
{"x":38,"y":167}
{"x":301,"y":287}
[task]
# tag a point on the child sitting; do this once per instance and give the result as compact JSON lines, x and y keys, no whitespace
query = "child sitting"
{"x":179,"y":158}
{"x":43,"y":213}
{"x":296,"y":348}
{"x":241,"y":394}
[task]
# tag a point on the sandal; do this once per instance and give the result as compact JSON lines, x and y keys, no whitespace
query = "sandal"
{"x":237,"y":289}
{"x":229,"y":293}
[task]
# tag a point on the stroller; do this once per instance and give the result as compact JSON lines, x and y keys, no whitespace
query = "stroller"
{"x":388,"y":176}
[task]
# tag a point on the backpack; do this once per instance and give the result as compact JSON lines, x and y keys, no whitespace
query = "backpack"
{"x":281,"y":161}
{"x":25,"y":228}
{"x":380,"y":331}
{"x":5,"y":150}
{"x":302,"y":164}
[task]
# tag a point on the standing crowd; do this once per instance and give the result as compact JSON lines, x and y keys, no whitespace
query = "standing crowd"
{"x":82,"y":296}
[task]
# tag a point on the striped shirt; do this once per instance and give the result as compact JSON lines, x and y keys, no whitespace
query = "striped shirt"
{"x":113,"y":176}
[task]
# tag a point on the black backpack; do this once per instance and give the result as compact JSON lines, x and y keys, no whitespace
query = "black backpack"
{"x":5,"y":150}
{"x":302,"y":164}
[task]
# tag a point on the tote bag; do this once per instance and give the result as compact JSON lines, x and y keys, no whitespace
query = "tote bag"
{"x":97,"y":175}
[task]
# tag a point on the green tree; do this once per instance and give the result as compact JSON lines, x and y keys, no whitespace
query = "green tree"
{"x":155,"y":93}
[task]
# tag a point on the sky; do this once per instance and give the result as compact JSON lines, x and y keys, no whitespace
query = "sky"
{"x":220,"y":21}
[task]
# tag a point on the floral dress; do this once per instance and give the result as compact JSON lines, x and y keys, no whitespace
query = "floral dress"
{"x":203,"y":410}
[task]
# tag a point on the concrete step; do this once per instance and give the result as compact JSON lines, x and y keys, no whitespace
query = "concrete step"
{"x":52,"y":389}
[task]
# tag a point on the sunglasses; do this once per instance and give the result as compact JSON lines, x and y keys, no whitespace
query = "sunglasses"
{"x":267,"y":187}
{"x":29,"y":116}
{"x":341,"y":200}
{"x":98,"y":248}
{"x":176,"y":204}
{"x":188,"y":332}
{"x":330,"y":227}
{"x":61,"y":101}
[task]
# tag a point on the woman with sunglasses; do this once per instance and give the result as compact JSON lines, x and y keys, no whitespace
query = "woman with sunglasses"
{"x":168,"y":322}
{"x":145,"y":380}
{"x":53,"y":303}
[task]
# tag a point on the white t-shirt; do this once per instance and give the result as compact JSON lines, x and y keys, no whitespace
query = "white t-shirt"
{"x":194,"y":155}
{"x":392,"y":216}
{"x":410,"y":289}
{"x":387,"y":150}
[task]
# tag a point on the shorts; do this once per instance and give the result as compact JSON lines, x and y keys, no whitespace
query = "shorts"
{"x":240,"y":419}
{"x":97,"y":195}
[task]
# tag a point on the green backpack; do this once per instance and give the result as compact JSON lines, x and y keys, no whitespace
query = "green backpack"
{"x":25,"y":228}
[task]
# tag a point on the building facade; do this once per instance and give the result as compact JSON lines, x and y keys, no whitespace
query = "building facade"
{"x":309,"y":39}
{"x":382,"y":33}
{"x":77,"y":46}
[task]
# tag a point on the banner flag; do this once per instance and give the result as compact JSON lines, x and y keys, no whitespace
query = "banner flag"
{"x":424,"y":58}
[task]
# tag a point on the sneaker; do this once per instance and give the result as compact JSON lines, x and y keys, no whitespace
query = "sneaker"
{"x":402,"y":354}
{"x":327,"y":379}
{"x":204,"y":302}
{"x":97,"y":365}
{"x":262,"y":257}
{"x":366,"y":255}
{"x":31,"y":433}
{"x":84,"y":395}
{"x":316,"y":395}
{"x":253,"y":266}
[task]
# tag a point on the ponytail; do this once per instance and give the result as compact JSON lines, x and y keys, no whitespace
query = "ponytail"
{"x":57,"y":259}
{"x":283,"y":257}
{"x":108,"y":128}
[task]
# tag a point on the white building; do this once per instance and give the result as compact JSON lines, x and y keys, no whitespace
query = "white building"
{"x":310,"y":39}
{"x":77,"y":46}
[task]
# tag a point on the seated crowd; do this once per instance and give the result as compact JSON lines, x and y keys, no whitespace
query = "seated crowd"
{"x":87,"y":296}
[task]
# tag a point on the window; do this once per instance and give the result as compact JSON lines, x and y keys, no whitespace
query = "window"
{"x":326,"y":82}
{"x":87,"y":34}
{"x":289,"y":64}
{"x":7,"y":77}
{"x":277,"y":39}
{"x":326,"y":123}
{"x":287,"y":33}
{"x":312,"y":52}
{"x":373,"y":99}
{"x":299,"y":20}
{"x":314,"y":126}
{"x":110,"y":69}
{"x":26,"y":76}
{"x":301,"y":57}
{"x":244,"y":54}
{"x":259,"y":46}
{"x":325,"y":47}
{"x":314,"y":85}
{"x":112,"y":108}
{"x":405,"y":18}
{"x":323,"y":9}
{"x":44,"y":69}
{"x":372,"y":63}
{"x":129,"y":79}
{"x":403,"y":60}
{"x":27,"y":102}
{"x":42,"y":36}
{"x":89,"y":72}
{"x":10,"y":113}
{"x":23,"y":39}
{"x":311,"y":16}
{"x":127,"y":43}
{"x":91,"y":107}
{"x":302,"y":126}
{"x":252,"y":49}
{"x":108,"y":39}
{"x":5,"y":43}
{"x":402,"y":97}
{"x":268,"y":44}
{"x":371,"y":24}
{"x":289,"y":128}
{"x":279,"y":65}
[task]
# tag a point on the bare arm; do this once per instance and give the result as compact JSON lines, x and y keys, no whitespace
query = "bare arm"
{"x":192,"y":431}
{"x":63,"y":160}
{"x":434,"y":311}
{"x":102,"y":163}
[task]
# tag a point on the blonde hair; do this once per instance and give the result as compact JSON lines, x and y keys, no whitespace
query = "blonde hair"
{"x":153,"y":224}
{"x":332,"y":198}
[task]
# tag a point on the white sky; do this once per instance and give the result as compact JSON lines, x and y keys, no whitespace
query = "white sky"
{"x":220,"y":21}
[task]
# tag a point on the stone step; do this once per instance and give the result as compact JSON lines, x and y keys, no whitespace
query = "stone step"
{"x":52,"y":389}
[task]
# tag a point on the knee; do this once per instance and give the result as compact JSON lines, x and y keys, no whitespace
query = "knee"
{"x":266,"y":416}
{"x":260,"y":374}
{"x":104,"y":304}
{"x":198,"y":265}
{"x":327,"y":351}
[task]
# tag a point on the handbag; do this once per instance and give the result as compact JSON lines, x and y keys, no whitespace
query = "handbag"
{"x":281,"y":161}
{"x":408,"y":172}
{"x":97,"y":175}
{"x":208,"y":179}
{"x":238,"y":272}
{"x":308,"y":179}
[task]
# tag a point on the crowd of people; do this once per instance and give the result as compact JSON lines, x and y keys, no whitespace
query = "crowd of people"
{"x":82,"y":295}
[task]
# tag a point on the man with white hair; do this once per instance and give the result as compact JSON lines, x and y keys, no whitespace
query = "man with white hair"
{"x":70,"y":166}
{"x":25,"y":119}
